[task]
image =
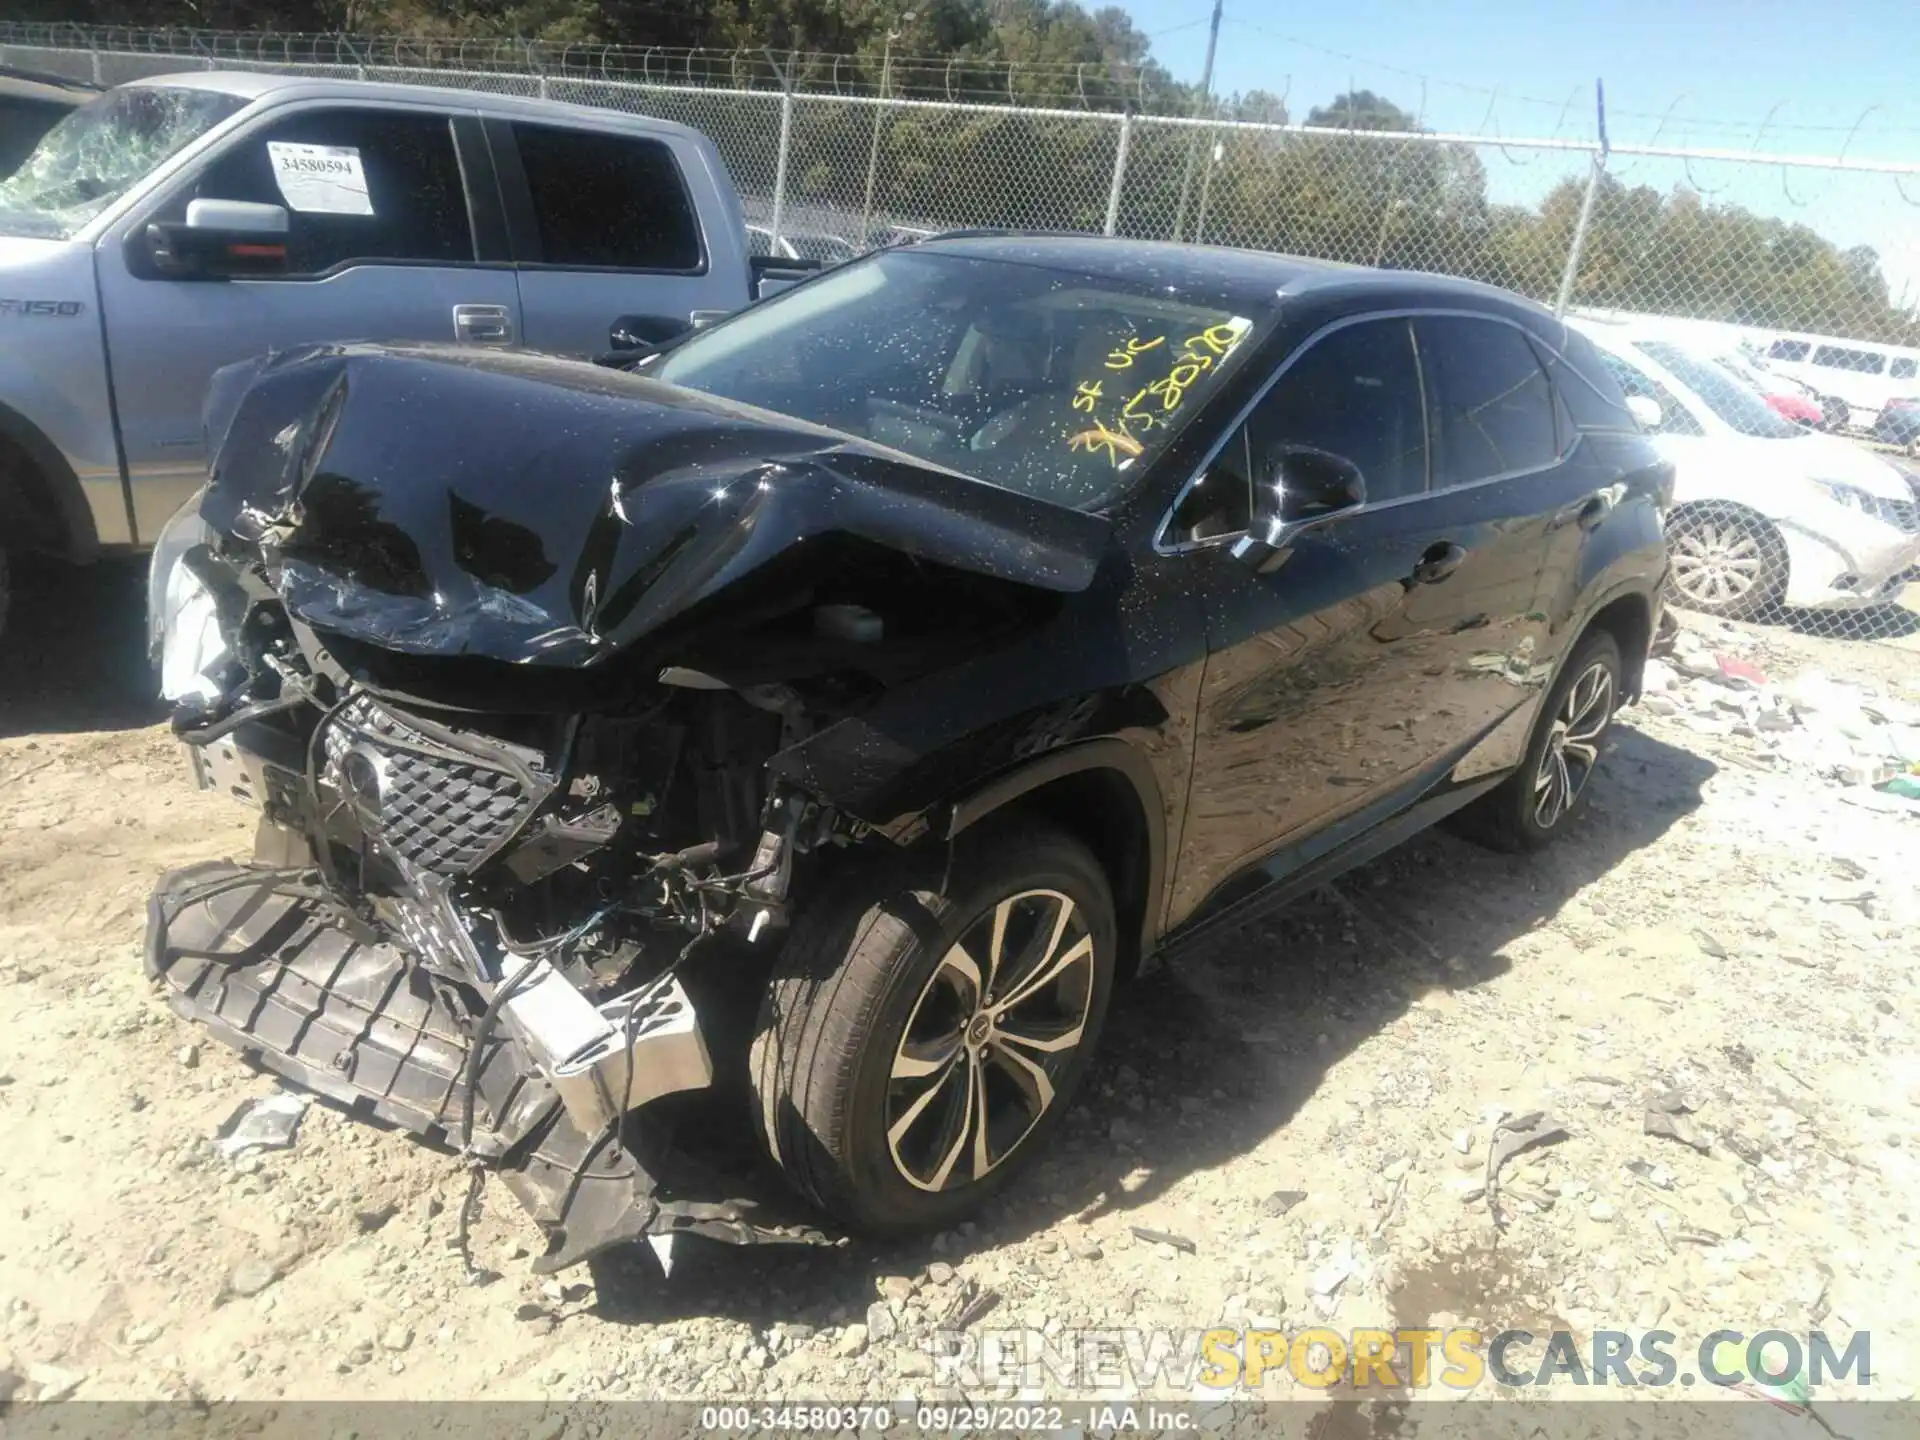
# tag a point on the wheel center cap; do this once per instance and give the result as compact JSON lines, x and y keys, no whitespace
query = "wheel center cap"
{"x":979,"y":1029}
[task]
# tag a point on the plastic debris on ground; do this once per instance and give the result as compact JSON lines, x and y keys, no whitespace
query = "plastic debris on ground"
{"x":267,"y":1123}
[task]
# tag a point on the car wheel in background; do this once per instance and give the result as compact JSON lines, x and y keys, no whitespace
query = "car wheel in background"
{"x":1536,"y":803}
{"x":924,"y":1031}
{"x":1726,"y":561}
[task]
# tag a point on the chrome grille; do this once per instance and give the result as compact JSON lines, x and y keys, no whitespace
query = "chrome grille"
{"x":443,"y":808}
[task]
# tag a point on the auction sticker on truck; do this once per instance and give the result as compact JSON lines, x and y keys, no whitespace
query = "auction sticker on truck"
{"x":320,"y":179}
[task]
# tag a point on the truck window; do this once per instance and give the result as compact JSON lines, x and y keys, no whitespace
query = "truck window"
{"x":613,"y":202}
{"x":387,"y":188}
{"x":1904,"y":367}
{"x":1788,"y":350}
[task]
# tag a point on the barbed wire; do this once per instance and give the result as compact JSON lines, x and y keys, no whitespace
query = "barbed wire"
{"x":1104,"y":85}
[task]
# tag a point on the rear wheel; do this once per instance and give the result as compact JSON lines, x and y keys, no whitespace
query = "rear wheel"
{"x":1726,"y":562}
{"x":919,"y":1041}
{"x":1535,"y":804}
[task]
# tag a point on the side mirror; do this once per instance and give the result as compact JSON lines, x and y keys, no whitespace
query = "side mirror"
{"x":1647,"y":411}
{"x":644,"y":334}
{"x":220,"y":239}
{"x":1297,"y":489}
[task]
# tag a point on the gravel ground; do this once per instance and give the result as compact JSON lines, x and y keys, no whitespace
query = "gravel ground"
{"x":1304,"y":1106}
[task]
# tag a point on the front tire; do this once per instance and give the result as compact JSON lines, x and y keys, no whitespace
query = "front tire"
{"x":1535,"y":805}
{"x":918,"y":1042}
{"x":1726,"y":562}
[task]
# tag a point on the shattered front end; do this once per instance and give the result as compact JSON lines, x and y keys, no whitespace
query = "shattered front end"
{"x":545,"y":722}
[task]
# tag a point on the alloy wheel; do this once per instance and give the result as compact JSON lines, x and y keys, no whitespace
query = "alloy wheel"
{"x":1573,"y":745}
{"x":989,"y":1037}
{"x":1716,"y":562}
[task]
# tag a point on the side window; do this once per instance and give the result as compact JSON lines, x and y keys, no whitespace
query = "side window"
{"x":1355,"y":394}
{"x":1675,"y":418}
{"x":614,"y":202}
{"x":1492,"y":403}
{"x":357,"y":185}
{"x":1586,"y":385}
{"x":1904,"y":368}
{"x":1788,"y":350}
{"x":1836,"y":357}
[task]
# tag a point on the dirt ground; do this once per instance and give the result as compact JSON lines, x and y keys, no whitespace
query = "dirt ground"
{"x":1719,"y":926}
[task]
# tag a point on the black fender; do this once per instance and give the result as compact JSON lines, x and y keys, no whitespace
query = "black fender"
{"x":1634,"y":648}
{"x":42,"y":503}
{"x":1086,"y":758}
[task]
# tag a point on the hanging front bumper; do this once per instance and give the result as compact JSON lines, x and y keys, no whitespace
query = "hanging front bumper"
{"x":272,"y":965}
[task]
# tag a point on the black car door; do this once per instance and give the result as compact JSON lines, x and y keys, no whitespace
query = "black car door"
{"x":1512,"y":494}
{"x":1387,"y":641}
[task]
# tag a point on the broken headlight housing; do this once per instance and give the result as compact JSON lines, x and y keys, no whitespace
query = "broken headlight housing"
{"x":183,"y":629}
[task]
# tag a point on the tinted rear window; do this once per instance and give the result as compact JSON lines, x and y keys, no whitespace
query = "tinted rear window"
{"x":615,"y":202}
{"x":1593,"y":396}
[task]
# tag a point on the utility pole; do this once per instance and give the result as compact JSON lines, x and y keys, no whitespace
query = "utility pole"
{"x":1206,"y":97}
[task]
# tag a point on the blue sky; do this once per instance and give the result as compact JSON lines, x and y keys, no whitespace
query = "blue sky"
{"x":1704,"y":73}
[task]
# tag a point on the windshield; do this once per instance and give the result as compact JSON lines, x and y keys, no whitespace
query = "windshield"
{"x":1737,"y":404}
{"x":100,"y":151}
{"x":1055,"y":383}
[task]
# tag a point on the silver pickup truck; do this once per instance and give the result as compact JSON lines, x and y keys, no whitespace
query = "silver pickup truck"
{"x":177,"y":224}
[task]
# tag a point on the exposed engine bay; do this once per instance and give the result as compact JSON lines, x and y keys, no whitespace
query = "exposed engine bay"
{"x":532,"y":744}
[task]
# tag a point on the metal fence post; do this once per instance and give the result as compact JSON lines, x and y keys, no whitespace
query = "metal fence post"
{"x":1595,"y":169}
{"x":1119,"y":170}
{"x":873,"y":169}
{"x":780,"y":167}
{"x":94,"y":55}
{"x":1213,"y":158}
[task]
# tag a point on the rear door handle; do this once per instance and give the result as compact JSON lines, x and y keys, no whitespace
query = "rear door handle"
{"x":482,"y":325}
{"x":1440,"y":560}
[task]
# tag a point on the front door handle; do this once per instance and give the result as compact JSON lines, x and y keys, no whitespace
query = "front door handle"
{"x":482,"y":325}
{"x":1440,"y":560}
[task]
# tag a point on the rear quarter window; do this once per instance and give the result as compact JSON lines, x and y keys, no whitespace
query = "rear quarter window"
{"x":1788,"y":350}
{"x":1592,"y":395}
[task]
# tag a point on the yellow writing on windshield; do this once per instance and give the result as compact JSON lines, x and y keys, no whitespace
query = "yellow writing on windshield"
{"x":1116,"y":443}
{"x":1122,"y":357}
{"x":1144,"y":407}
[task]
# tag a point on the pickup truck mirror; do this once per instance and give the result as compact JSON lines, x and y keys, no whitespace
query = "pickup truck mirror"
{"x":1297,"y":489}
{"x":220,"y":239}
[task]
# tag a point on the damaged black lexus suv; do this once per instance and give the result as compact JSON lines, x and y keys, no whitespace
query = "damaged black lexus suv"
{"x":846,"y":697}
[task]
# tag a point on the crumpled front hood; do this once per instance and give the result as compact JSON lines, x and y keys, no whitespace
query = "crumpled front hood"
{"x":515,"y":507}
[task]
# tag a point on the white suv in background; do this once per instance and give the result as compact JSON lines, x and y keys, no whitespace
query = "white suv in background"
{"x":1863,"y":375}
{"x":1764,"y":512}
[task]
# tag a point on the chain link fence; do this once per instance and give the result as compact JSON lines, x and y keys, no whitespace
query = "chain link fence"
{"x":1753,"y":259}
